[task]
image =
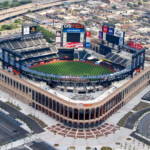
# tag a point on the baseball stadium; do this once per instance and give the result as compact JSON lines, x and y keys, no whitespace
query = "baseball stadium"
{"x":78,"y":87}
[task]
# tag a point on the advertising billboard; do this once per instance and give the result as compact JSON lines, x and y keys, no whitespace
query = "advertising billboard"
{"x":111,"y":30}
{"x":58,"y":38}
{"x":87,"y":44}
{"x":88,"y":34}
{"x":88,"y":39}
{"x":105,"y":29}
{"x":33,"y":30}
{"x":81,"y":37}
{"x":121,"y":41}
{"x":118,"y":33}
{"x":73,"y":27}
{"x":100,"y":35}
{"x":58,"y":33}
{"x":104,"y":36}
{"x":111,"y":34}
{"x":135,"y":45}
{"x":26,"y":30}
{"x":73,"y":44}
{"x":73,"y":35}
{"x":64,"y":38}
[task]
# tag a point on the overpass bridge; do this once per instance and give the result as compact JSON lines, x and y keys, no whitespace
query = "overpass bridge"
{"x":18,"y":11}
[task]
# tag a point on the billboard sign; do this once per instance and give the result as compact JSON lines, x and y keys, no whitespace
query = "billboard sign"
{"x":88,"y":39}
{"x":88,"y":34}
{"x":73,"y":35}
{"x":104,"y":36}
{"x":58,"y":38}
{"x":58,"y":33}
{"x":73,"y":30}
{"x":135,"y":45}
{"x":121,"y":41}
{"x":100,"y":35}
{"x":64,"y":38}
{"x":73,"y":44}
{"x":111,"y":30}
{"x":73,"y":25}
{"x":118,"y":33}
{"x":87,"y":44}
{"x":105,"y":29}
{"x":81,"y":37}
{"x":26,"y":30}
{"x":32,"y":29}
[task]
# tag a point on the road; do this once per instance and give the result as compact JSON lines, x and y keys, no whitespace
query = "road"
{"x":17,"y":114}
{"x":17,"y":11}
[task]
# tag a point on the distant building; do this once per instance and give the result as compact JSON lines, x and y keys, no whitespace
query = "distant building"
{"x":10,"y":1}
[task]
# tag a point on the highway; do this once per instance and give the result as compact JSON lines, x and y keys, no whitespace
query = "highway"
{"x":17,"y":11}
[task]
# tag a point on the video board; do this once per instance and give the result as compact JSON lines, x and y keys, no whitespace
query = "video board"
{"x":33,"y":29}
{"x":29,"y":29}
{"x":111,"y":34}
{"x":73,"y":35}
{"x":112,"y":39}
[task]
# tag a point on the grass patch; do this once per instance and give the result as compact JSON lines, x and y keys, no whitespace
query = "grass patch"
{"x":40,"y":122}
{"x":123,"y":120}
{"x":141,"y":106}
{"x":73,"y":69}
{"x":14,"y":106}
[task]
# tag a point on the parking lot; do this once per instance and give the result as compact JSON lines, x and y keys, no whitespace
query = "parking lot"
{"x":35,"y":145}
{"x":10,"y":129}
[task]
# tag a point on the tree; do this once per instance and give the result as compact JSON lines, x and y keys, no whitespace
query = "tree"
{"x":135,"y":5}
{"x":5,"y":4}
{"x":129,"y":4}
{"x":6,"y":27}
{"x":29,"y":11}
{"x":15,"y":1}
{"x":114,"y":7}
{"x":94,"y":17}
{"x":86,"y":22}
{"x":139,"y":3}
{"x":48,"y":35}
{"x":18,"y":21}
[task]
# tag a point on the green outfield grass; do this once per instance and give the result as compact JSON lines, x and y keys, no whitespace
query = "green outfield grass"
{"x":72,"y":68}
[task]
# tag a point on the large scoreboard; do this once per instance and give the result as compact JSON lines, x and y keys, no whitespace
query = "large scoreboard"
{"x":73,"y":35}
{"x":112,"y":34}
{"x":29,"y":29}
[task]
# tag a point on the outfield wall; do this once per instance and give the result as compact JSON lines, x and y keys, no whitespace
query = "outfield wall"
{"x":71,"y":113}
